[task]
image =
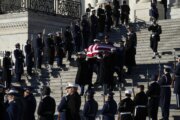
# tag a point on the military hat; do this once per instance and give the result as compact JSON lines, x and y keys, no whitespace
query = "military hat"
{"x":129,"y":92}
{"x":110,"y":94}
{"x":96,"y":40}
{"x":71,"y":85}
{"x":17,"y":45}
{"x":12,"y":92}
{"x":7,"y":53}
{"x":167,"y":67}
{"x":90,"y":92}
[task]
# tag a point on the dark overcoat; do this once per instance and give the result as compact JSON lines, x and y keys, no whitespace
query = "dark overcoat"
{"x":177,"y":79}
{"x":6,"y":69}
{"x":154,"y":95}
{"x":90,"y":109}
{"x":109,"y":109}
{"x":18,"y":54}
{"x":46,"y":108}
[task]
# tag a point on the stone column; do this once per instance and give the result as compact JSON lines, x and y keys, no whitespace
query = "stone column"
{"x":175,"y":9}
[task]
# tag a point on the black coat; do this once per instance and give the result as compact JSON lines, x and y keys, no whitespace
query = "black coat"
{"x":82,"y":72}
{"x":106,"y":70}
{"x":177,"y":79}
{"x":18,"y":54}
{"x":73,"y":107}
{"x":101,"y":20}
{"x":141,"y":99}
{"x":31,"y":106}
{"x":59,"y":46}
{"x":29,"y":55}
{"x":2,"y":111}
{"x":46,"y":108}
{"x":109,"y":109}
{"x":154,"y":95}
{"x":68,"y":40}
{"x":49,"y":50}
{"x":156,"y":31}
{"x":90,"y":109}
{"x":6,"y":69}
{"x":12,"y":111}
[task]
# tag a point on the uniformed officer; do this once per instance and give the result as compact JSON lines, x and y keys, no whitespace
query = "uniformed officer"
{"x":155,"y":38}
{"x":62,"y":107}
{"x":165,"y":95}
{"x":126,"y":107}
{"x":153,"y":94}
{"x":7,"y":66}
{"x":90,"y":107}
{"x":30,"y":103}
{"x":13,"y":108}
{"x":18,"y":54}
{"x":29,"y":57}
{"x":109,"y":108}
{"x":140,"y":101}
{"x":46,"y":108}
{"x":177,"y":82}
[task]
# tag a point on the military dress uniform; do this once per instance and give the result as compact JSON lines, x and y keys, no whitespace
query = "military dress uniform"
{"x":109,"y":108}
{"x":177,"y":84}
{"x":126,"y":107}
{"x":153,"y":103}
{"x":165,"y":95}
{"x":140,"y":101}
{"x":90,"y":107}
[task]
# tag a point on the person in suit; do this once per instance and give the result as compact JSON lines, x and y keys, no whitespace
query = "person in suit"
{"x":77,"y":36}
{"x":153,"y":94}
{"x":177,"y":82}
{"x":38,"y":47}
{"x":30,"y":102}
{"x":165,"y":94}
{"x":47,"y":105}
{"x":90,"y":107}
{"x":19,"y":61}
{"x":140,"y":101}
{"x":29,"y":57}
{"x":126,"y":107}
{"x":58,"y":41}
{"x":93,"y":25}
{"x":109,"y":108}
{"x":74,"y":103}
{"x":7,"y":66}
{"x":125,"y":11}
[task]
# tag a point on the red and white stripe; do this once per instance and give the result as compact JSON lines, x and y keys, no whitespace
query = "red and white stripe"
{"x":98,"y":48}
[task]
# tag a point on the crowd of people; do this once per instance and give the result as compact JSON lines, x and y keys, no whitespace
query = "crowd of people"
{"x":89,"y":39}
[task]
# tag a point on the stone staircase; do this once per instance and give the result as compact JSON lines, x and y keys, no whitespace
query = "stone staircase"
{"x":170,"y":38}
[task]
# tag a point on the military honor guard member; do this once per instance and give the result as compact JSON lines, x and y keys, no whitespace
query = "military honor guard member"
{"x":109,"y":108}
{"x":177,"y":82}
{"x":126,"y":107}
{"x":140,"y":101}
{"x":155,"y":38}
{"x":90,"y":107}
{"x":153,"y":94}
{"x":165,"y":94}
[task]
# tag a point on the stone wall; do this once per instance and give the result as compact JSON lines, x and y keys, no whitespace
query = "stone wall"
{"x":18,"y":27}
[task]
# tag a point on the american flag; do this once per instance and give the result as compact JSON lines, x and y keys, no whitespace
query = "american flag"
{"x":95,"y":49}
